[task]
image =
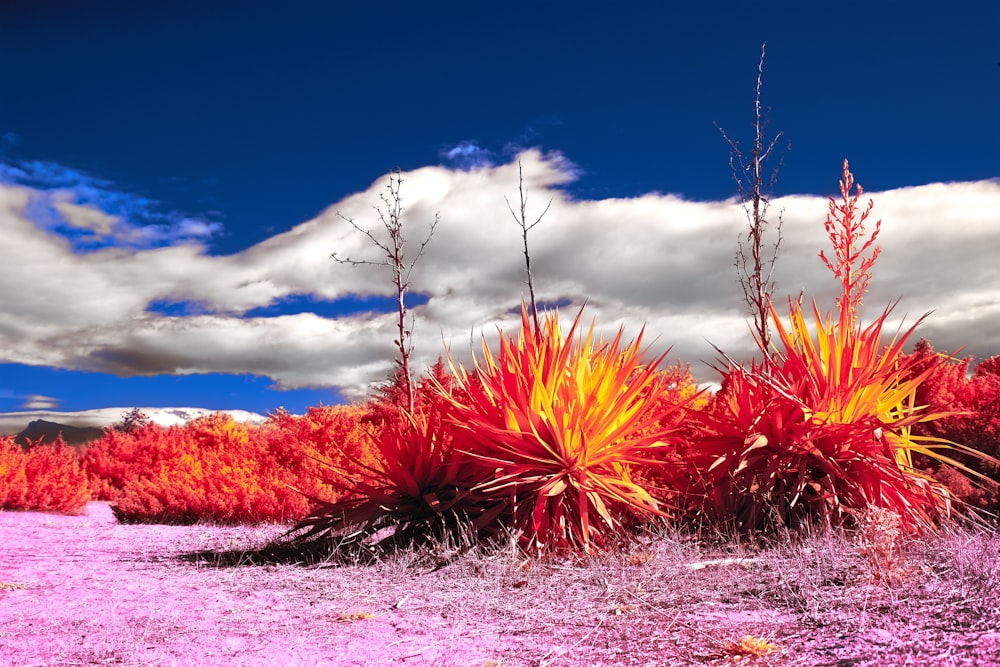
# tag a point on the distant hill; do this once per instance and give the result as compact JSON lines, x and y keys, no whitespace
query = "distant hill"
{"x":87,"y":425}
{"x":47,"y":432}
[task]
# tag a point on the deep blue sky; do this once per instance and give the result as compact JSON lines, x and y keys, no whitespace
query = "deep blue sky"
{"x":257,"y":116}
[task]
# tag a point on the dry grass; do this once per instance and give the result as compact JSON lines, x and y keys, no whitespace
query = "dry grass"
{"x":94,"y":592}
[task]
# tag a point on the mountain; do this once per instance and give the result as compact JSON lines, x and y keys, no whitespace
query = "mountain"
{"x":76,"y":423}
{"x":46,"y":432}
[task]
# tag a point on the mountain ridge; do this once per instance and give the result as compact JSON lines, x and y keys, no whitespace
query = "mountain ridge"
{"x":16,"y":423}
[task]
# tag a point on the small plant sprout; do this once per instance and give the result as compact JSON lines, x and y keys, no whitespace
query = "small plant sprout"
{"x":640,"y":557}
{"x":878,"y":534}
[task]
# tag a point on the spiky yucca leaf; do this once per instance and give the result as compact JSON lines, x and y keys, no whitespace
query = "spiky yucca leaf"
{"x":565,"y":422}
{"x":418,"y":490}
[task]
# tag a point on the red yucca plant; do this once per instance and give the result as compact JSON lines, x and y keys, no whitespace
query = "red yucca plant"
{"x":565,"y":425}
{"x":416,"y":490}
{"x":821,"y":428}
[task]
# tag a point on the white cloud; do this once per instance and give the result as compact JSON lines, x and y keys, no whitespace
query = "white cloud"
{"x":655,"y":259}
{"x":86,"y":217}
{"x":39,"y":402}
{"x":468,"y":155}
{"x":98,"y":215}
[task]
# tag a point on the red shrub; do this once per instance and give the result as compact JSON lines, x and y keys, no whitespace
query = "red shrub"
{"x":416,"y":484}
{"x":427,"y":399}
{"x":976,"y":400}
{"x":120,"y":456}
{"x":42,"y":478}
{"x":221,"y":470}
{"x":13,"y":481}
{"x":211,"y":469}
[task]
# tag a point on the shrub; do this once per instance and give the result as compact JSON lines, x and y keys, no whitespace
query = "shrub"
{"x":305,"y":444}
{"x":821,"y":428}
{"x":13,"y":480}
{"x":214,"y":469}
{"x":974,"y":404}
{"x":418,"y":489}
{"x":121,"y":456}
{"x":41,"y":478}
{"x":566,"y":426}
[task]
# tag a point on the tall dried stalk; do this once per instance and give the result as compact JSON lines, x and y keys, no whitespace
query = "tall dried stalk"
{"x":755,"y":271}
{"x":395,"y":258}
{"x":522,"y":222}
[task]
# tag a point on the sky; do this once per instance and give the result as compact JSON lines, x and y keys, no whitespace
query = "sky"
{"x":174,"y":178}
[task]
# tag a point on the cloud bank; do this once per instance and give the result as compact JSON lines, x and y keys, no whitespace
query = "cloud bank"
{"x":656,"y":260}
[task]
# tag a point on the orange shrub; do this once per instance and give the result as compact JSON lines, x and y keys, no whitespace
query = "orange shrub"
{"x":42,"y":478}
{"x":332,"y":434}
{"x":210,"y":469}
{"x":217,"y":469}
{"x":13,"y":481}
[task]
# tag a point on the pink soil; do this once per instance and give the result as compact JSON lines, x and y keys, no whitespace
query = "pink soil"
{"x":84,"y":590}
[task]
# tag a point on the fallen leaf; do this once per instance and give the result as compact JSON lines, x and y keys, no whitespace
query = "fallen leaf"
{"x":354,"y":616}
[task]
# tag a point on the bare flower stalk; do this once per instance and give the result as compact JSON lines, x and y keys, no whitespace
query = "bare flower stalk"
{"x":395,"y":259}
{"x":522,"y":222}
{"x":754,"y":264}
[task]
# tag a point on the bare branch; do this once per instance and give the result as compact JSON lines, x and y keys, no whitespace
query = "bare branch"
{"x":522,"y":222}
{"x":390,"y":215}
{"x":423,"y":245}
{"x":366,"y":232}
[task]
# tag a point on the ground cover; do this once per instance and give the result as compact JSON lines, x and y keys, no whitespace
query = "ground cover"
{"x":86,"y":590}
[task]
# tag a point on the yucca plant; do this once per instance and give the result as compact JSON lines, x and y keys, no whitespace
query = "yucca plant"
{"x":419,"y":490}
{"x":564,"y":423}
{"x":820,"y":429}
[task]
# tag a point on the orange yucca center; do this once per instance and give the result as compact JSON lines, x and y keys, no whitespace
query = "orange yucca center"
{"x":848,"y":372}
{"x":564,"y":421}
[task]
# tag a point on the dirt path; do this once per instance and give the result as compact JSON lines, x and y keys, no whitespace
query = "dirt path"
{"x":85,"y":590}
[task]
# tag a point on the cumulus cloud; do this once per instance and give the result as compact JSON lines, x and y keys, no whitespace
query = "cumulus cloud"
{"x":657,"y":260}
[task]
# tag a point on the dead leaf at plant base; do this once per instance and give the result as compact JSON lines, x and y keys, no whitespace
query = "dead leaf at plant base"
{"x":354,"y":616}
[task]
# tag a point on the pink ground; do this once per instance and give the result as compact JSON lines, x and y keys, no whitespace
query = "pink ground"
{"x":85,"y":590}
